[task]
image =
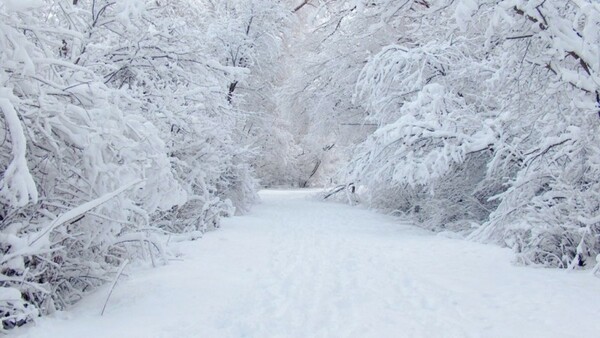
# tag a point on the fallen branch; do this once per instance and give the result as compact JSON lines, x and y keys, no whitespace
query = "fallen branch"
{"x":334,"y":191}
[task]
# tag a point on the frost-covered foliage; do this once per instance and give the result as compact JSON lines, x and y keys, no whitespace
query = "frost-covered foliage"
{"x":116,"y":128}
{"x":249,"y":35}
{"x":325,"y":57}
{"x":488,"y":119}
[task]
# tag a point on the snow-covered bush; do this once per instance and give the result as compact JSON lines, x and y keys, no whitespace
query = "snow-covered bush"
{"x":115,"y":129}
{"x":488,"y":116}
{"x":71,"y":144}
{"x":549,"y":211}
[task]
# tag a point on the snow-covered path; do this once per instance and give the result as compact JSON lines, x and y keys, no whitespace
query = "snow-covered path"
{"x":297,"y":267}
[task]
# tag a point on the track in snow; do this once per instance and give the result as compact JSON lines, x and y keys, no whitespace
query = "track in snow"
{"x":297,"y":267}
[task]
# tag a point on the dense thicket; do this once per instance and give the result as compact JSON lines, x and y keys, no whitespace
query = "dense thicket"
{"x":486,"y":114}
{"x":120,"y":128}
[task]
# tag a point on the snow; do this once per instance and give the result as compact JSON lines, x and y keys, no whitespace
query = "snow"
{"x":17,"y":185}
{"x":464,"y":12}
{"x":9,"y":293}
{"x":297,"y":267}
{"x":16,"y":5}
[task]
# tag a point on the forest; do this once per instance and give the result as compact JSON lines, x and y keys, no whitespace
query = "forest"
{"x":129,"y":124}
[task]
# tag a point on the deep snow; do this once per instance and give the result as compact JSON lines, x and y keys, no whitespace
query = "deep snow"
{"x":297,"y":267}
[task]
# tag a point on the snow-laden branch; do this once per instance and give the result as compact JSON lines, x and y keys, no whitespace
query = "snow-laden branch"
{"x":80,"y":210}
{"x":17,"y":186}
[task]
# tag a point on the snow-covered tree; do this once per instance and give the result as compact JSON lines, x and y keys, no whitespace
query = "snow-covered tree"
{"x":488,"y":115}
{"x":331,"y":41}
{"x":249,"y":35}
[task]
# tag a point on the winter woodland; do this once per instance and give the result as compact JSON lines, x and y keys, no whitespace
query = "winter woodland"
{"x":128,"y":124}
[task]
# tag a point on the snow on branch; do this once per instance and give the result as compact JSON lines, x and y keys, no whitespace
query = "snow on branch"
{"x":17,"y":186}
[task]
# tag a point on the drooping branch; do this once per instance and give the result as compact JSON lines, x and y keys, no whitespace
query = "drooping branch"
{"x":544,"y":25}
{"x":299,"y":7}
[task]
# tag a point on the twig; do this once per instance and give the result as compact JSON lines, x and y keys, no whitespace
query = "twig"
{"x":299,"y":7}
{"x":335,"y":191}
{"x":114,"y":283}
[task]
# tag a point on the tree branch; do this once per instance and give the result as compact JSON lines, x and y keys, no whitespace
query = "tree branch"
{"x":299,"y":7}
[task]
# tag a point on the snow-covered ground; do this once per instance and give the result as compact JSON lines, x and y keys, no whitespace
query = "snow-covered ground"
{"x":297,"y":267}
